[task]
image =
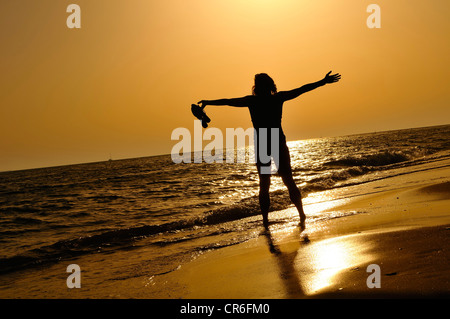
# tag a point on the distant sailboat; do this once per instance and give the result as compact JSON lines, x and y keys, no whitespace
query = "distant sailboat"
{"x":109,"y":162}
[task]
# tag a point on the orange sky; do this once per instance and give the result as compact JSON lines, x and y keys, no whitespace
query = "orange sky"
{"x":126,"y":79}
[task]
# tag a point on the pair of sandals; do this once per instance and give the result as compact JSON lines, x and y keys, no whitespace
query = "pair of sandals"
{"x":200,"y":114}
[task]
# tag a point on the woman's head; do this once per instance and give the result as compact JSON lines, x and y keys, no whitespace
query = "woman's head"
{"x":264,"y":85}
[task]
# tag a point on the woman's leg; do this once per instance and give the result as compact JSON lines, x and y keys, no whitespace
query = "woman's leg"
{"x":285,"y":171}
{"x":264,"y":197}
{"x":295,"y":196}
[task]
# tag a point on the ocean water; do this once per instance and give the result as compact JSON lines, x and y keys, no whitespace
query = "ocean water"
{"x":178,"y":211}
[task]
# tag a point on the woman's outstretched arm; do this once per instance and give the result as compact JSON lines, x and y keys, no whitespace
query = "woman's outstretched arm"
{"x":238,"y":102}
{"x":292,"y":94}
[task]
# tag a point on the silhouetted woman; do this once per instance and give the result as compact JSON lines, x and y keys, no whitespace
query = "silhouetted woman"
{"x":266,"y":106}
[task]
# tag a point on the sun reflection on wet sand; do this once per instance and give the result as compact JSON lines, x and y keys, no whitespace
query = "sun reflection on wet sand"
{"x":326,"y":259}
{"x":308,"y":267}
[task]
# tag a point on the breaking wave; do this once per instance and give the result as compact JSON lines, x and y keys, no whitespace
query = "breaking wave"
{"x":378,"y":159}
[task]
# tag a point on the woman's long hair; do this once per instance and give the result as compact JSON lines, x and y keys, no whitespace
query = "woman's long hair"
{"x":264,"y":85}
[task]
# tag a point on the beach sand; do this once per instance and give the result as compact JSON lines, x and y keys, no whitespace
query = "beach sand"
{"x":404,"y":231}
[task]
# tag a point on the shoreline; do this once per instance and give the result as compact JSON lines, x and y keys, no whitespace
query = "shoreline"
{"x":404,"y":230}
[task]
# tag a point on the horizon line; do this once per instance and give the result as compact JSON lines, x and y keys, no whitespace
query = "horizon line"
{"x":168,"y":154}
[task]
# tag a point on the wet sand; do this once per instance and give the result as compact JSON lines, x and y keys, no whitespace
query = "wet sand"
{"x":405,"y":232}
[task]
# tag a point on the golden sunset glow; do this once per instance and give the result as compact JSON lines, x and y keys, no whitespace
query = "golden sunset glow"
{"x":119,"y":85}
{"x":330,"y":257}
